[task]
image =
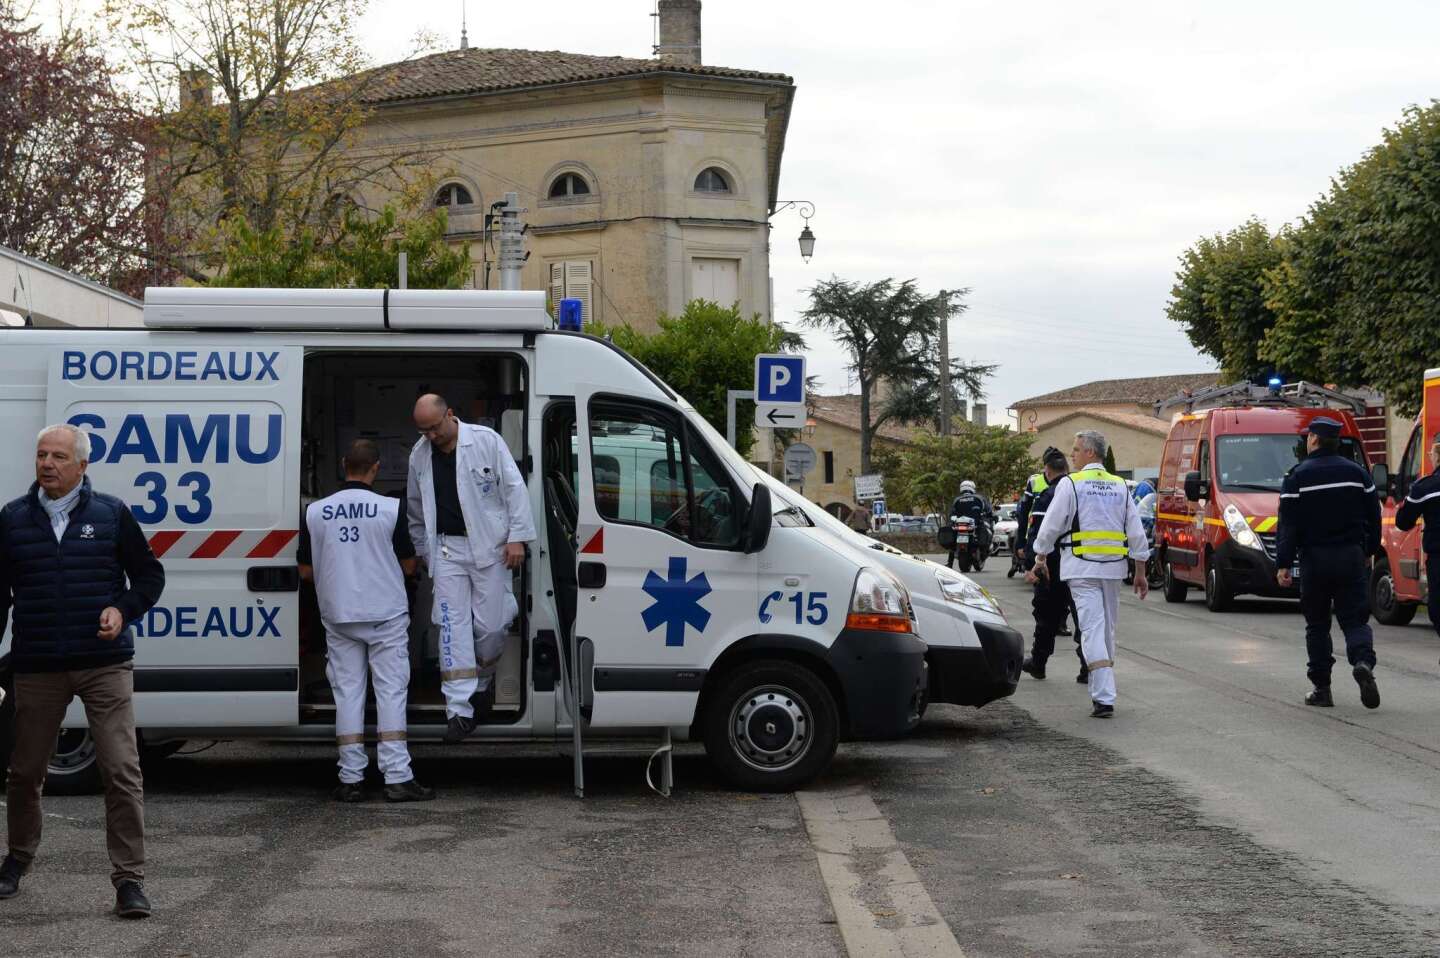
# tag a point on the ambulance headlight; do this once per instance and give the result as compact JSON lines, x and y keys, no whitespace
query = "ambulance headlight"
{"x":1240,"y":530}
{"x":962,"y":591}
{"x":880,"y":603}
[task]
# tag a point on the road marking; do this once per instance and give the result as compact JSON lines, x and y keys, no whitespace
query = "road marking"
{"x":880,"y":904}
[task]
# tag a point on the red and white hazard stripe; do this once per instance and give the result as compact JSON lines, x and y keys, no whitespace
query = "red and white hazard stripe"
{"x":224,"y":543}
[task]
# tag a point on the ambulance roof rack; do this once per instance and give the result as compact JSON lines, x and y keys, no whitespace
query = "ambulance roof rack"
{"x":1296,"y":394}
{"x":476,"y":310}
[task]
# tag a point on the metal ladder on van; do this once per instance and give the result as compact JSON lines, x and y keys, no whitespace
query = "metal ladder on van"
{"x":579,"y":699}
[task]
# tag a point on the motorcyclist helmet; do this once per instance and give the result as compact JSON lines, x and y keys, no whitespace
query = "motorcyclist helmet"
{"x":967,"y":486}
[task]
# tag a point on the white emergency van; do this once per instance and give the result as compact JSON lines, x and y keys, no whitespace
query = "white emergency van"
{"x":665,"y":597}
{"x":973,"y":655}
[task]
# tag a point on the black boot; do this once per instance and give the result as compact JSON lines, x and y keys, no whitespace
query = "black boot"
{"x":483,"y":702}
{"x":349,"y":793}
{"x":11,"y":871}
{"x":1033,"y":668}
{"x":1320,"y":697}
{"x":1084,"y":677}
{"x":1102,"y":711}
{"x":130,"y":900}
{"x":458,"y":729}
{"x":411,"y":791}
{"x":1369,"y":691}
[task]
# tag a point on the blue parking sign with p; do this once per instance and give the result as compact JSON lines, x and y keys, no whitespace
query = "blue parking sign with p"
{"x":779,"y":378}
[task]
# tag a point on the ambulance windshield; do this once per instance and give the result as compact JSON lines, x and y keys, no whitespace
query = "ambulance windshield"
{"x":1260,"y":463}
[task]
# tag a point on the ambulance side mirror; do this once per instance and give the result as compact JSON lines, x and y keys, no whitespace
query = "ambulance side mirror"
{"x":1195,"y":487}
{"x":757,"y":527}
{"x":1381,"y":474}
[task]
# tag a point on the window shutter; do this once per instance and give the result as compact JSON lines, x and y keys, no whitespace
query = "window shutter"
{"x":578,"y":285}
{"x":557,"y":287}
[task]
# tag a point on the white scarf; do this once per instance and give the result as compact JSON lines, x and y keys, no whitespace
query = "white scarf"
{"x":59,"y":509}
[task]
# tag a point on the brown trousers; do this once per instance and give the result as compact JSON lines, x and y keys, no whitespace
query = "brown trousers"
{"x":41,"y":699}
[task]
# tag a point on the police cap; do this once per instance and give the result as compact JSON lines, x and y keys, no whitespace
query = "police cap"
{"x":1324,"y":427}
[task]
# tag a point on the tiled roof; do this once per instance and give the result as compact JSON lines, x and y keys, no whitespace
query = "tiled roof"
{"x":1141,"y":392}
{"x":458,"y":72}
{"x":845,"y":411}
{"x":1132,"y":420}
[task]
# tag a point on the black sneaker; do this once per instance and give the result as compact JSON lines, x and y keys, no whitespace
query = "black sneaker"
{"x":1102,"y":711}
{"x":458,"y":729}
{"x":483,"y":702}
{"x":1065,"y":631}
{"x":1369,"y":691}
{"x":1033,"y":668}
{"x":11,"y":871}
{"x":130,"y":900}
{"x":349,"y":792}
{"x":1320,"y":698}
{"x":1084,"y":677}
{"x":411,"y":791}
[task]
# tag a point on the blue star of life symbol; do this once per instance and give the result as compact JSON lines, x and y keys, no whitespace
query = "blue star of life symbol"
{"x":677,"y":602}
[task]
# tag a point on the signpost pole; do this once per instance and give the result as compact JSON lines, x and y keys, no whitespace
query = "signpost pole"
{"x":731,"y":395}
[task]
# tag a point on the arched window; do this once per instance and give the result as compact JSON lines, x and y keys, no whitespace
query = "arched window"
{"x":453,"y":194}
{"x":568,"y":184}
{"x":712,"y":179}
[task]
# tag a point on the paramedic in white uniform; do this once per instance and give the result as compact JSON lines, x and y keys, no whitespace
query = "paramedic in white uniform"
{"x":355,"y":547}
{"x":1096,"y":523}
{"x":469,"y":515}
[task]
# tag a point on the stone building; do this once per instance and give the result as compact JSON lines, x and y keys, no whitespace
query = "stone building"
{"x":646,"y":182}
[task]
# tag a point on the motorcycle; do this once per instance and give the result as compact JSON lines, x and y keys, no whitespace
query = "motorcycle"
{"x":964,"y":545}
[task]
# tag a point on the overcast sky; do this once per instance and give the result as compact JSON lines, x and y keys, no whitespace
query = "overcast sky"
{"x":1054,"y":157}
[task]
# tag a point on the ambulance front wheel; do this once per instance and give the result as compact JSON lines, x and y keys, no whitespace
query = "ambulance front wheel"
{"x":771,"y":726}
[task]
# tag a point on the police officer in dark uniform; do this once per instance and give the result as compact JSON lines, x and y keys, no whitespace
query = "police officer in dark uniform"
{"x":1330,"y":524}
{"x":1423,"y":502}
{"x":971,"y":503}
{"x":1035,"y":486}
{"x":1051,"y":603}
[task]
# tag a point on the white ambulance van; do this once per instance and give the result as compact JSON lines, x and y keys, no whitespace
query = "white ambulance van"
{"x":647,"y":604}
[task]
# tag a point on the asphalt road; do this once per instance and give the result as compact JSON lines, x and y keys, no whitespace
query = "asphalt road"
{"x":1214,"y":815}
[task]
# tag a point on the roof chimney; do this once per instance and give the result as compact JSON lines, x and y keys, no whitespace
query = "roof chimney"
{"x":679,"y":31}
{"x":195,"y":88}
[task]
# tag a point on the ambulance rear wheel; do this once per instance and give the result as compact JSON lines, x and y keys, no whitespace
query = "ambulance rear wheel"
{"x":771,"y":726}
{"x":1175,"y":589}
{"x":75,"y":766}
{"x":1388,"y":609}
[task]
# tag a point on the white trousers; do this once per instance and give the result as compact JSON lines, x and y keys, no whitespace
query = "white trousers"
{"x":472,"y":608}
{"x":351,"y":646}
{"x":1097,"y":606}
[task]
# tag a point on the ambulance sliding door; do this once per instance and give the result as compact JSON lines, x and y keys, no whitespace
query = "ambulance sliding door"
{"x":202,"y":441}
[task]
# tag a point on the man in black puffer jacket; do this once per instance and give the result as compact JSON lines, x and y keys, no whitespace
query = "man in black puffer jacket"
{"x":66,"y":553}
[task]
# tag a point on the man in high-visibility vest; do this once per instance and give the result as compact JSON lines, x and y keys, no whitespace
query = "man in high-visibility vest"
{"x":1097,"y":525}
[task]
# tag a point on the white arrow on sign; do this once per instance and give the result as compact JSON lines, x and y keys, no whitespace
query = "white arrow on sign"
{"x":783,"y":415}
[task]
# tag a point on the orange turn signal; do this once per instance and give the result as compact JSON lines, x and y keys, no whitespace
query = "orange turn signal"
{"x":871,"y":622}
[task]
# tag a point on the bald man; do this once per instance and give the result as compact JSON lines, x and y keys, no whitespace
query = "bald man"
{"x":469,"y":517}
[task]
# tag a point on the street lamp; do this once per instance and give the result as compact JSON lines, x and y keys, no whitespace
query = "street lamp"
{"x":807,"y":238}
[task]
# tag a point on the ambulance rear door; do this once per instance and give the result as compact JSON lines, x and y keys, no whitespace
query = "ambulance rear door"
{"x":201,"y":438}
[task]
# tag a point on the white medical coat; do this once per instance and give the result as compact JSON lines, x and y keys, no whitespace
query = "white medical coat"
{"x":1099,"y":506}
{"x":495,"y":503}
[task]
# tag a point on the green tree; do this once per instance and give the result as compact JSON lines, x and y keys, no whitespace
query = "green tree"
{"x":1357,"y":297}
{"x":278,"y":96}
{"x":1219,"y":296}
{"x":926,"y":474}
{"x":705,"y":351}
{"x":362,"y":254}
{"x":890,"y":331}
{"x":1109,"y":459}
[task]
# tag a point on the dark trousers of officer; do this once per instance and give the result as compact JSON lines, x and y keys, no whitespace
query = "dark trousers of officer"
{"x":1051,"y":605}
{"x":1432,"y":562}
{"x":1335,"y":578}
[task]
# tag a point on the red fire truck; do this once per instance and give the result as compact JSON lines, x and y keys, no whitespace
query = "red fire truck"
{"x":1399,"y":583}
{"x":1218,"y":496}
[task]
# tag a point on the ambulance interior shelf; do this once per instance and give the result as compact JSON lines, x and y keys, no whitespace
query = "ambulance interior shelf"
{"x":350,"y":395}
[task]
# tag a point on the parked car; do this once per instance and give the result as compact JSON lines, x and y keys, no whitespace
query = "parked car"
{"x":1005,"y":528}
